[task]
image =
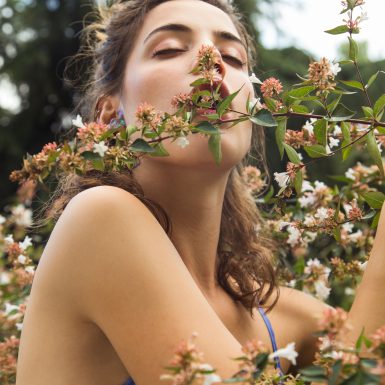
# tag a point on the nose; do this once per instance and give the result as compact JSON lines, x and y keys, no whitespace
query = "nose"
{"x":216,"y":63}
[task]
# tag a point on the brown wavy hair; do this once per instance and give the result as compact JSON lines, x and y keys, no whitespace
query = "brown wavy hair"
{"x":245,"y":267}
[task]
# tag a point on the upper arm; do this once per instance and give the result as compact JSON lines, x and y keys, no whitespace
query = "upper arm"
{"x":124,"y":274}
{"x":304,"y":312}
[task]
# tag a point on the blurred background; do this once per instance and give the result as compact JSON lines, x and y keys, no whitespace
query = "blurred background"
{"x":36,"y":37}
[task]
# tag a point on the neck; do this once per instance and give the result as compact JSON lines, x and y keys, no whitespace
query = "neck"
{"x":193,"y":201}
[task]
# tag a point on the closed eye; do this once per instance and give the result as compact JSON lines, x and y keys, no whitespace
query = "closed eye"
{"x":170,"y":51}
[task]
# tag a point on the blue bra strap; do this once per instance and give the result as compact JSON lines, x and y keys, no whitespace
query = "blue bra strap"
{"x":272,"y":337}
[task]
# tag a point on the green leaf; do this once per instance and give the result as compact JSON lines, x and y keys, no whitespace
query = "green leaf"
{"x":292,"y":154}
{"x":215,"y":147}
{"x":353,"y":84}
{"x":343,"y":62}
{"x":376,"y":218}
{"x":159,"y":150}
{"x":374,"y":199}
{"x":337,"y":233}
{"x":299,"y":108}
{"x":338,"y":30}
{"x":379,"y":105}
{"x":341,"y":113}
{"x":374,"y":152}
{"x":269,"y":195}
{"x":298,"y":182}
{"x":206,"y":128}
{"x":332,"y":106}
{"x":280,"y":135}
{"x":313,"y":374}
{"x":141,"y":145}
{"x":315,"y":151}
{"x":368,"y":112}
{"x":320,"y":131}
{"x":353,"y":49}
{"x":198,"y":82}
{"x":372,"y":79}
{"x":302,"y":91}
{"x":225,"y":103}
{"x":345,"y":128}
{"x":98,"y":164}
{"x":336,"y":370}
{"x":263,"y":118}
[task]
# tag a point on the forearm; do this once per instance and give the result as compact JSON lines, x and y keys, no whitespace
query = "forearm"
{"x":368,"y":309}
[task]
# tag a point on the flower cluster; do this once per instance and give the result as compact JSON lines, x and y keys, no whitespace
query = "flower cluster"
{"x":322,"y":74}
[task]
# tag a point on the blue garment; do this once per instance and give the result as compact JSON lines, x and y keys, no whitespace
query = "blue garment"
{"x":130,"y":381}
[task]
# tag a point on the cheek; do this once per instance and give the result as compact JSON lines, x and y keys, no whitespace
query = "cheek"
{"x":156,"y":87}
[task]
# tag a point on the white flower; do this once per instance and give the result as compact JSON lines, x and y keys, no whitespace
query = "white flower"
{"x":292,"y":283}
{"x":322,"y":291}
{"x":5,"y":278}
{"x":26,"y":243}
{"x":294,"y":236}
{"x":349,"y":291}
{"x":78,"y":122}
{"x":363,"y":265}
{"x":337,"y":130}
{"x":350,"y":174}
{"x":283,"y":224}
{"x":335,"y":68}
{"x":333,"y":142}
{"x":364,"y":16}
{"x":100,"y":148}
{"x":355,"y":237}
{"x":9,"y":239}
{"x":182,"y":141}
{"x":30,"y":269}
{"x":209,"y":378}
{"x":311,"y":236}
{"x":307,"y":200}
{"x":10,"y":308}
{"x":320,"y":186}
{"x":325,"y":343}
{"x":328,"y":150}
{"x":2,"y":219}
{"x":306,"y":186}
{"x":19,"y":325}
{"x":322,"y":213}
{"x":282,"y":178}
{"x":309,"y":220}
{"x":348,"y":227}
{"x":287,"y":352}
{"x":254,"y":79}
{"x":22,"y":259}
{"x":309,"y":127}
{"x":22,"y":216}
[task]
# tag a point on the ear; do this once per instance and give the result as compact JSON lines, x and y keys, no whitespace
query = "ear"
{"x":107,"y":107}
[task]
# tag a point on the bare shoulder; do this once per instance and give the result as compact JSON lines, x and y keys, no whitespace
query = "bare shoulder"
{"x":301,"y":313}
{"x":110,"y":259}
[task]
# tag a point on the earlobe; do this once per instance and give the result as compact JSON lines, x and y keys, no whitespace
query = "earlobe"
{"x":107,"y":108}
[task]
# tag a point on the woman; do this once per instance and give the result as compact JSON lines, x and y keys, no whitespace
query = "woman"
{"x":116,"y":290}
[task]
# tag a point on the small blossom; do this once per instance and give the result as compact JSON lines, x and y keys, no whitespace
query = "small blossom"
{"x":254,"y":79}
{"x":22,"y":259}
{"x":350,"y":174}
{"x":335,"y":68}
{"x":22,"y":216}
{"x":9,"y":239}
{"x":2,"y":219}
{"x":333,"y":142}
{"x":287,"y":352}
{"x":182,"y":141}
{"x":78,"y":122}
{"x":322,"y":213}
{"x":271,"y":87}
{"x":26,"y":243}
{"x":30,"y":269}
{"x":100,"y":148}
{"x":322,"y":291}
{"x":282,"y":178}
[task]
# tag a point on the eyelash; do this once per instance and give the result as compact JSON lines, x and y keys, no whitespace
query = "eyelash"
{"x":172,"y":50}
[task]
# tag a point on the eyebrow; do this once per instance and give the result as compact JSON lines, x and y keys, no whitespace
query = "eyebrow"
{"x":223,"y":35}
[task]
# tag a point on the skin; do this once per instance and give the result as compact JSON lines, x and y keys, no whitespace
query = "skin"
{"x":195,"y":201}
{"x":120,"y":308}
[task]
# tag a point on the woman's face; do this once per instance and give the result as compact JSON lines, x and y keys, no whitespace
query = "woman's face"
{"x":185,"y":25}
